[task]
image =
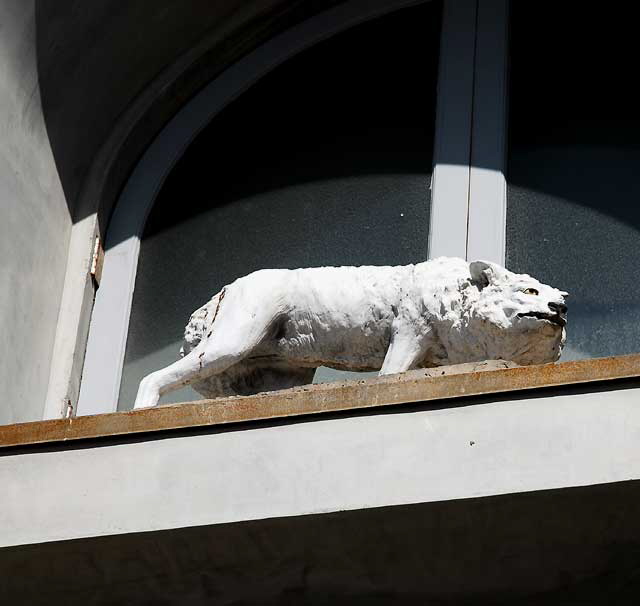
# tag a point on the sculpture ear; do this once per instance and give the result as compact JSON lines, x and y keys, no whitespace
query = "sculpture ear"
{"x":482,"y":273}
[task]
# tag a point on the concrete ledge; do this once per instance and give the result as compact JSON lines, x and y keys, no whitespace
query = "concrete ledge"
{"x":414,"y":386}
{"x":424,"y":453}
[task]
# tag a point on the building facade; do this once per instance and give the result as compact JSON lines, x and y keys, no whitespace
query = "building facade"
{"x":151,"y":154}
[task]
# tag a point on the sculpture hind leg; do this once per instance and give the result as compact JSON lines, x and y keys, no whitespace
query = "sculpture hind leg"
{"x":237,"y":331}
{"x":407,"y":347}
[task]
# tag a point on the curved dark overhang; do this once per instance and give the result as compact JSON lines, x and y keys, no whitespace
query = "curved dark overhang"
{"x":112,"y":75}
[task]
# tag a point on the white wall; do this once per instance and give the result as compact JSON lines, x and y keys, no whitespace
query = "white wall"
{"x":34,"y":223}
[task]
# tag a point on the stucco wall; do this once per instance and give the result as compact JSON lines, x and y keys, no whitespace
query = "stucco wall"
{"x":34,"y":223}
{"x":470,"y":447}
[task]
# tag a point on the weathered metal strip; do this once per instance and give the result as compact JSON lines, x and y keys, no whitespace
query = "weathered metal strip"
{"x":413,"y":386}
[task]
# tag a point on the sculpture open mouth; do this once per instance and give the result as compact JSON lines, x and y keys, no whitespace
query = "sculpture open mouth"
{"x":549,"y":317}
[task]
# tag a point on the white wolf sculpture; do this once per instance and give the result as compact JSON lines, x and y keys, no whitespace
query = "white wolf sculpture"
{"x":271,"y":329}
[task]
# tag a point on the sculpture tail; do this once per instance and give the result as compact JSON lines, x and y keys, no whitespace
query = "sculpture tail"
{"x":200,"y":320}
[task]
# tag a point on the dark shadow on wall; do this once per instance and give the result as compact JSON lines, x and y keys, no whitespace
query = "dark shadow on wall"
{"x":96,"y":60}
{"x":565,"y":546}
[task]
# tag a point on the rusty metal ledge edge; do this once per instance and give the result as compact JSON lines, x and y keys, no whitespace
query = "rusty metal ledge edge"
{"x":414,"y":386}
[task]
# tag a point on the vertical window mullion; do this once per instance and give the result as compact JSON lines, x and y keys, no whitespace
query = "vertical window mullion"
{"x":487,"y":183}
{"x":450,"y":188}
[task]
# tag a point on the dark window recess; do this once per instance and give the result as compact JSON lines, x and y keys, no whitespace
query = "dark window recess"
{"x":573,"y":215}
{"x":325,"y":161}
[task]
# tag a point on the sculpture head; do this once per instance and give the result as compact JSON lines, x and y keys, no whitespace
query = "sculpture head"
{"x":530,"y":315}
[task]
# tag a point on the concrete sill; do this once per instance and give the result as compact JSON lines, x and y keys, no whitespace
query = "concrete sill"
{"x":414,"y":386}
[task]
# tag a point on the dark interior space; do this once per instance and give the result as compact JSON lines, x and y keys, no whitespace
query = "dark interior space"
{"x":361,"y":103}
{"x":569,"y":74}
{"x":573,"y":212}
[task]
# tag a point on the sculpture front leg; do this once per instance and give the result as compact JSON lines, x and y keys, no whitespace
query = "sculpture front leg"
{"x":406,"y":349}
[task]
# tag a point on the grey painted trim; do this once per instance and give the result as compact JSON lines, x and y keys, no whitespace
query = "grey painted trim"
{"x":450,"y":188}
{"x":487,"y":183}
{"x":110,"y":320}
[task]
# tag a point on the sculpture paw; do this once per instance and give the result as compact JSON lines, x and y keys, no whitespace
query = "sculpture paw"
{"x":148,"y":394}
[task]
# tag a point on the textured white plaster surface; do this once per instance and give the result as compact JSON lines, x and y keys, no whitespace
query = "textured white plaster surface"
{"x":273,"y":328}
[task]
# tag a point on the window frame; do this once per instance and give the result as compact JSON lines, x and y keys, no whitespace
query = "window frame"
{"x":468,"y":204}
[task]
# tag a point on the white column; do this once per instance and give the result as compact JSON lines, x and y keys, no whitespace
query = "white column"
{"x":487,"y":184}
{"x":73,"y":320}
{"x":450,"y":188}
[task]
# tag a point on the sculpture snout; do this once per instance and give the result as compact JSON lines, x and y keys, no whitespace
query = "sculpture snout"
{"x":559,"y":308}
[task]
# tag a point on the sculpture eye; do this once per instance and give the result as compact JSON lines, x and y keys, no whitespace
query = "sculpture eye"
{"x":530,"y":291}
